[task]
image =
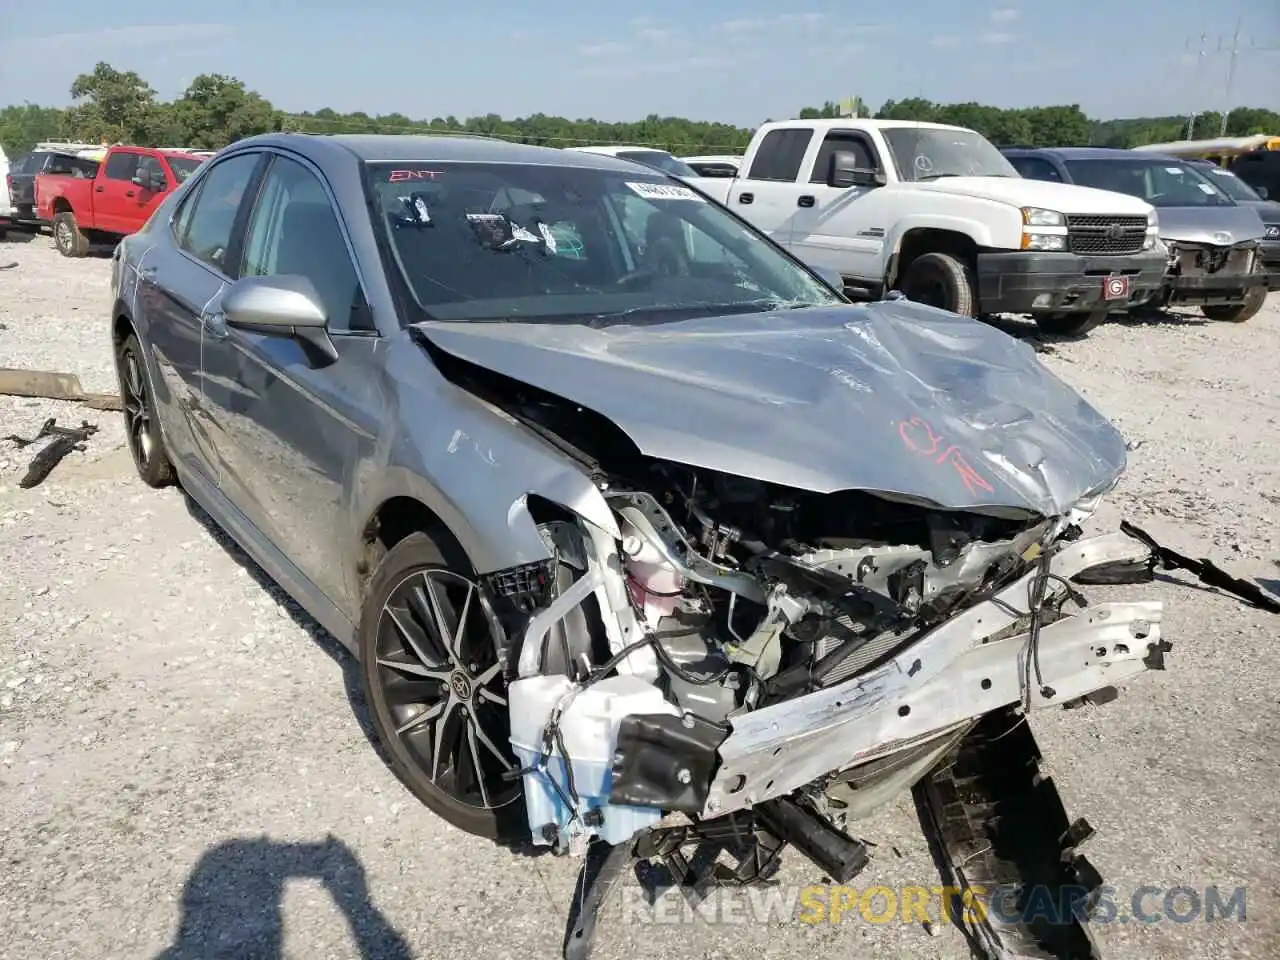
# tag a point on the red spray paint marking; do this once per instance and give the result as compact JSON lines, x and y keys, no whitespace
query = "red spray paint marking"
{"x":400,"y":176}
{"x":920,"y":439}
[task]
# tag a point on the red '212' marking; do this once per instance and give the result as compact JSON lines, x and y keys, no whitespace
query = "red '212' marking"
{"x":920,"y":438}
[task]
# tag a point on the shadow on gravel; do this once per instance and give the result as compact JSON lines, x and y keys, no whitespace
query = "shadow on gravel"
{"x":18,"y":235}
{"x":1161,"y":318}
{"x":322,"y":637}
{"x":231,"y":902}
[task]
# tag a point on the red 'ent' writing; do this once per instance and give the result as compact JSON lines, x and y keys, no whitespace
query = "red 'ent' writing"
{"x":400,"y":176}
{"x":920,"y":438}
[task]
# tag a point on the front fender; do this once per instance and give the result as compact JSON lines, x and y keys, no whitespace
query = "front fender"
{"x":474,"y":466}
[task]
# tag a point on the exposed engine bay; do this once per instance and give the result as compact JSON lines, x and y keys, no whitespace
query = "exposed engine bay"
{"x":718,"y":659}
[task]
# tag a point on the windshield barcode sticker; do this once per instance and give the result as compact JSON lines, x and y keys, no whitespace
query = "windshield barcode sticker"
{"x":662,"y":191}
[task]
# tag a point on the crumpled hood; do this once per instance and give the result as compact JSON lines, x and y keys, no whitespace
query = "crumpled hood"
{"x":1221,"y":226}
{"x":892,"y":397}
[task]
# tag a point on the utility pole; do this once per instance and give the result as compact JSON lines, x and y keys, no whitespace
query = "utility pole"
{"x":1233,"y":52}
{"x":1231,"y":77}
{"x":1195,"y":82}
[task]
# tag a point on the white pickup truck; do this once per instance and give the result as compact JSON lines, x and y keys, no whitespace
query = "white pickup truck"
{"x":937,"y":212}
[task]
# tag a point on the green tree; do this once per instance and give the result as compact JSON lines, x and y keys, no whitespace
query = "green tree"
{"x":113,"y":105}
{"x":217,"y":110}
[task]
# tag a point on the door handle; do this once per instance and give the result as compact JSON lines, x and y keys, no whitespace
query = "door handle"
{"x":215,"y":324}
{"x":97,"y":189}
{"x":805,"y":201}
{"x":128,"y":193}
{"x":746,"y":197}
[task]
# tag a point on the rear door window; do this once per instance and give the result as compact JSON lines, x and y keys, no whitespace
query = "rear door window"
{"x":780,"y":154}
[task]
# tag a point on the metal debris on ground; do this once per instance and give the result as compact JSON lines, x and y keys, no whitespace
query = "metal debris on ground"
{"x":65,"y":440}
{"x":49,"y":385}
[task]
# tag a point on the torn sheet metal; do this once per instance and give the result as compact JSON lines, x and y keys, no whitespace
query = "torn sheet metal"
{"x":65,"y":440}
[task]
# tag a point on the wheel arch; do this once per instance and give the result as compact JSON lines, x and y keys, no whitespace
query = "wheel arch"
{"x":916,"y":241}
{"x":412,"y":506}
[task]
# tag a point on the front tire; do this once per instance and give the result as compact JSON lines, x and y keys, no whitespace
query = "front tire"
{"x":142,"y":428}
{"x":1071,"y":324}
{"x":941,"y":280}
{"x":436,"y":691}
{"x":67,"y":235}
{"x":1237,"y":312}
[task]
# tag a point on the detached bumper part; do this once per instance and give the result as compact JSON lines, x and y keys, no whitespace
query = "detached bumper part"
{"x":1064,"y":282}
{"x":996,"y":825}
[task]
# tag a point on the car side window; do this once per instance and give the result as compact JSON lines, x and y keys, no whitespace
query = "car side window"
{"x":780,"y":154}
{"x":836,"y":141}
{"x":1035,"y":168}
{"x":294,"y":231}
{"x":121,"y":165}
{"x":205,"y":223}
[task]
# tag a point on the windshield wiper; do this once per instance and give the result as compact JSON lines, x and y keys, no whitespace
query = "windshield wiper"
{"x":735,"y":306}
{"x":935,"y":176}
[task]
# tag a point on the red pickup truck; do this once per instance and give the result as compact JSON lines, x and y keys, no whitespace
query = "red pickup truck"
{"x":130,"y":183}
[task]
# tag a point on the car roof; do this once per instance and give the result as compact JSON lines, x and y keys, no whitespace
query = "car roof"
{"x":407,"y":148}
{"x":1082,"y":153}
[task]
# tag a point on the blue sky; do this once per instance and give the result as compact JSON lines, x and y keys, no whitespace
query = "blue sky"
{"x":737,"y":62}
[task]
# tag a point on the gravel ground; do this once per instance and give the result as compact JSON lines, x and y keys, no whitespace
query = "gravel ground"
{"x":184,"y":764}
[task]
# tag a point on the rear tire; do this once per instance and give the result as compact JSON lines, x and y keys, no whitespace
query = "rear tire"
{"x":941,"y":280}
{"x":142,"y":429}
{"x":1237,"y":312}
{"x":1071,"y":324}
{"x":67,"y":236}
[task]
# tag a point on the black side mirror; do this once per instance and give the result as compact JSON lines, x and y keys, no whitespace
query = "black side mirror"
{"x":843,"y":171}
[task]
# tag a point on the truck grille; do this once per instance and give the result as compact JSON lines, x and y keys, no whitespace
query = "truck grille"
{"x":1106,"y":235}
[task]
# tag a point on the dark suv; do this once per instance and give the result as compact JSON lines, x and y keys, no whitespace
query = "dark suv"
{"x":24,"y":170}
{"x":1215,"y":260}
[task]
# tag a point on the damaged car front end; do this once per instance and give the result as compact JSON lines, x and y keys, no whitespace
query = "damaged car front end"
{"x":822,"y":553}
{"x":791,"y":605}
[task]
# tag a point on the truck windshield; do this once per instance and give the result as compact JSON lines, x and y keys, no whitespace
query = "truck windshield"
{"x":663,"y":161}
{"x":929,"y":153}
{"x":1231,"y":185}
{"x":476,"y":241}
{"x":1160,"y":182}
{"x":183,"y":167}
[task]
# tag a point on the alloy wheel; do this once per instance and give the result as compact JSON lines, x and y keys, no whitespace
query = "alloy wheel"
{"x":441,"y":685}
{"x":137,"y":409}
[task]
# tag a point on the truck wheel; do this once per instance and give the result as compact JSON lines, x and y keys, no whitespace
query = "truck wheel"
{"x":1071,"y":324}
{"x":940,"y":280}
{"x":67,"y":236}
{"x":1237,"y":312}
